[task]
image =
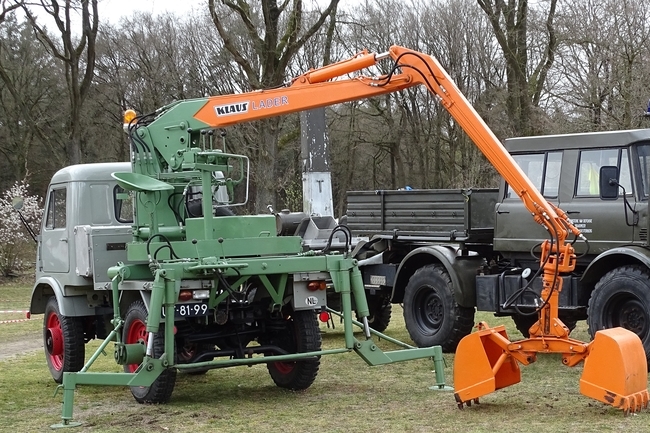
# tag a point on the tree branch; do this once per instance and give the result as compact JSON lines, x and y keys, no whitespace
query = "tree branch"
{"x":228,"y":44}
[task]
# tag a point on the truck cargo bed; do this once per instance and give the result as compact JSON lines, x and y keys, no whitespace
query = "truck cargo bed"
{"x":458,"y":215}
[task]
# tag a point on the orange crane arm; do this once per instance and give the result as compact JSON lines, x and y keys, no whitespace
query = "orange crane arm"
{"x":330,"y":85}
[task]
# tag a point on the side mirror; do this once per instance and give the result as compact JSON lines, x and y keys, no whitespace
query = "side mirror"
{"x":17,"y":203}
{"x":608,"y":182}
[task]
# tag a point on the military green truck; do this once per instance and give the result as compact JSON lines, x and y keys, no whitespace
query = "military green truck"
{"x":443,"y":254}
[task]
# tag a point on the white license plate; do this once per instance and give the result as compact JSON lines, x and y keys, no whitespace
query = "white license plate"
{"x":194,"y":309}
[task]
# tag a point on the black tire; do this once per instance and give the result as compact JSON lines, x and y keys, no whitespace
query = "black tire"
{"x":622,"y":298}
{"x":134,"y":331}
{"x":302,"y":334}
{"x":523,"y":323}
{"x":380,"y":313}
{"x":63,"y":340}
{"x":431,"y":313}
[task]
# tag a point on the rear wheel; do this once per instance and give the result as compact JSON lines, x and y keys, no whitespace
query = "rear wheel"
{"x":431,"y":313}
{"x":63,"y":340}
{"x":135,"y":331}
{"x":302,"y":334}
{"x":622,"y":298}
{"x":189,"y":351}
{"x":380,"y":313}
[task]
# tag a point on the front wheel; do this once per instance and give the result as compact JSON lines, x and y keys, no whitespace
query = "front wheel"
{"x":431,"y":313}
{"x":63,"y":340}
{"x":622,"y":298}
{"x":135,"y":331}
{"x":301,"y":334}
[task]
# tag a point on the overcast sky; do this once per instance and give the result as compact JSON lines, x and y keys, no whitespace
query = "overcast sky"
{"x":113,"y":10}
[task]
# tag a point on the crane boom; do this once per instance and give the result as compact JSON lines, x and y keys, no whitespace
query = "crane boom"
{"x":485,"y":360}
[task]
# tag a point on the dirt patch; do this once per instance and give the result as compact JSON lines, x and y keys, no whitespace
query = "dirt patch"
{"x":28,"y":343}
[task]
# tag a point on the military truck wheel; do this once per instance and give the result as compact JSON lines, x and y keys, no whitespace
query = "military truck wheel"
{"x":622,"y":298}
{"x":63,"y":340}
{"x":135,"y":331}
{"x":431,"y":313}
{"x":523,"y":323}
{"x":380,"y":313}
{"x":302,"y":334}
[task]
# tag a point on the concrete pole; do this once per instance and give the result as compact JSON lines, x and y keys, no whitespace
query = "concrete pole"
{"x":316,"y":176}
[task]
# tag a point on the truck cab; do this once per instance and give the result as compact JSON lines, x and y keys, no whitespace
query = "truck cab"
{"x":611,"y":283}
{"x":84,"y":231}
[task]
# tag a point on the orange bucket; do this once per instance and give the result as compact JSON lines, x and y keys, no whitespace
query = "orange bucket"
{"x":482,"y":366}
{"x":616,"y":370}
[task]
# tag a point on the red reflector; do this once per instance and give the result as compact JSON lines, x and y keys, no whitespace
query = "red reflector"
{"x":175,"y":330}
{"x":28,"y":315}
{"x":316,"y":285}
{"x":185,"y":295}
{"x":324,"y":316}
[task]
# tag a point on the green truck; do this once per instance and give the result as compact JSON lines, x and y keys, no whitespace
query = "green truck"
{"x":444,"y":254}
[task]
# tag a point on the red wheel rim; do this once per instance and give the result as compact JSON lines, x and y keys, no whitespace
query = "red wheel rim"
{"x":54,"y":341}
{"x":284,"y":367}
{"x":137,"y":333}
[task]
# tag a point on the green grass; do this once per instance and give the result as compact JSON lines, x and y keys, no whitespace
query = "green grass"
{"x":347,"y":396}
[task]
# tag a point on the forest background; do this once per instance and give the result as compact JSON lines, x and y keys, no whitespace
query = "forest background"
{"x":529,"y":68}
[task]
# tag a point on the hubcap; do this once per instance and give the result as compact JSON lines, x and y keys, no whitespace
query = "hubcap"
{"x":628,"y":312}
{"x":137,"y":333}
{"x":54,"y":341}
{"x":431,"y":313}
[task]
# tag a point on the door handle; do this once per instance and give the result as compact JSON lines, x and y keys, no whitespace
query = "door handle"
{"x":503,"y":211}
{"x":571,"y":212}
{"x":64,"y":240}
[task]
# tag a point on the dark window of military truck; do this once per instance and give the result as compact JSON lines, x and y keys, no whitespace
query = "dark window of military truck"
{"x":644,"y":165}
{"x":589,"y":170}
{"x":56,"y":209}
{"x":543,"y":170}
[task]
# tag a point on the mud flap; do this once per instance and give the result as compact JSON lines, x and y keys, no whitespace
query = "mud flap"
{"x":482,"y":366}
{"x":616,"y":370}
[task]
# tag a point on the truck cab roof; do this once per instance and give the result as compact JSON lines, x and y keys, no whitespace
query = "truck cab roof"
{"x":89,"y":172}
{"x":577,"y":141}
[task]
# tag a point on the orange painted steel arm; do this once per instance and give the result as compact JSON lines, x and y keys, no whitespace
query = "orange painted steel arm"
{"x":331,"y":85}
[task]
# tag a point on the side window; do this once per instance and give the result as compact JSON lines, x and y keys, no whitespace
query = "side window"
{"x":56,"y":212}
{"x":589,"y":170}
{"x":123,"y":204}
{"x":543,"y":170}
{"x":644,"y":165}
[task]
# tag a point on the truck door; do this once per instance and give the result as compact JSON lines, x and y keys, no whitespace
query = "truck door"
{"x":54,"y":237}
{"x":515,"y":230}
{"x":603,"y":222}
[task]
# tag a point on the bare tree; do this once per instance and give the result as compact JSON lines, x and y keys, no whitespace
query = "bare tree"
{"x":76,"y":51}
{"x":29,"y":105}
{"x":510,"y":24}
{"x":274,"y":35}
{"x":603,"y":75}
{"x":7,"y":6}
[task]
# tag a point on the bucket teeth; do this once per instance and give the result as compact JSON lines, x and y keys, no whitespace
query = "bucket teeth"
{"x":634,"y":403}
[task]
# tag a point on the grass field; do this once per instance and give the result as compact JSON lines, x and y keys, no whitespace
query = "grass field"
{"x":346,"y":396}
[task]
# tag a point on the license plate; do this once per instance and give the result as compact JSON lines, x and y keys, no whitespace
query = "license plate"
{"x":194,"y":309}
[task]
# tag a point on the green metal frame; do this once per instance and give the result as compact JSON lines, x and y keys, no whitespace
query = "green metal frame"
{"x":347,"y":281}
{"x":169,"y":247}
